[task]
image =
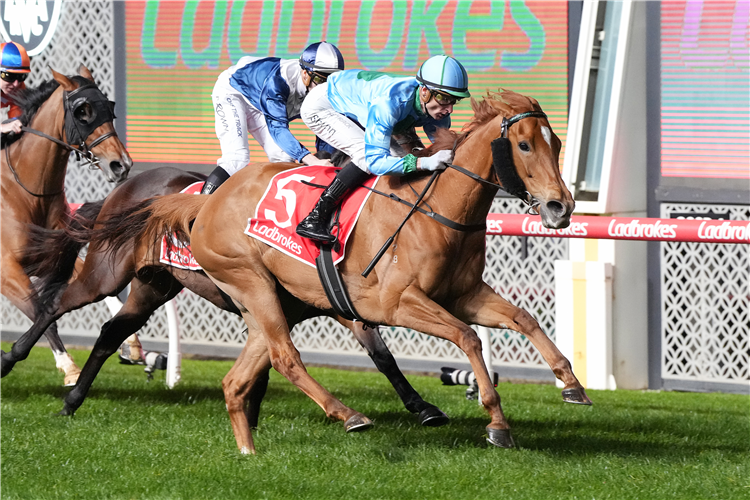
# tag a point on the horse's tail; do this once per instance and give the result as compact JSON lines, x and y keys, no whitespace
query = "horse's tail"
{"x":148,"y":221}
{"x":52,"y":253}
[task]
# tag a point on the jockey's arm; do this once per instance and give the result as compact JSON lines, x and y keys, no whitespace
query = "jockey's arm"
{"x":378,"y":132}
{"x":273,"y":101}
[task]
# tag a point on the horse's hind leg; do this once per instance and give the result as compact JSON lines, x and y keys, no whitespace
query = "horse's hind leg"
{"x":244,"y":387}
{"x":262,"y":310}
{"x":144,"y":299}
{"x":429,"y":415}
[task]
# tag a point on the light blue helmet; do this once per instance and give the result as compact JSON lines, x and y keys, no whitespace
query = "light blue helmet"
{"x":322,"y":57}
{"x":445,"y":74}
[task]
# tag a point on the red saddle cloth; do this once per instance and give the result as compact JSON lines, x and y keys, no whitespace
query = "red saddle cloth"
{"x":288,"y":200}
{"x":284,"y":204}
{"x":176,"y":253}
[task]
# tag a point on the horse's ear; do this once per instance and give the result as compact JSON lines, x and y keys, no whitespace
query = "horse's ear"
{"x":84,"y":72}
{"x":63,"y":80}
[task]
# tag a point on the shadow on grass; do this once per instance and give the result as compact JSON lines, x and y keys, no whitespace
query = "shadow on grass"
{"x":637,"y":426}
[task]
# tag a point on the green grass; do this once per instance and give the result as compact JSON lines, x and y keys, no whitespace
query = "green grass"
{"x":133,"y":439}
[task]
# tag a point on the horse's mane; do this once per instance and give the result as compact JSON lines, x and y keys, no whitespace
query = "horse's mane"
{"x":31,"y":99}
{"x":485,"y":110}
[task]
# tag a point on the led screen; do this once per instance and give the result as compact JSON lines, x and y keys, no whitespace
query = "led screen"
{"x":175,"y":50}
{"x":705,"y":100}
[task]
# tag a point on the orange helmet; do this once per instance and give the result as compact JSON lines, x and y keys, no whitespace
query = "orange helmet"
{"x":14,"y":59}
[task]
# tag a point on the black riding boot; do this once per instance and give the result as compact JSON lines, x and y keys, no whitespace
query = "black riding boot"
{"x":315,"y":225}
{"x":215,"y":179}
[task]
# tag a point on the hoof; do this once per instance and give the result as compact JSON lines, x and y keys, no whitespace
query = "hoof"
{"x":500,"y":438}
{"x":576,"y":395}
{"x":5,"y":365}
{"x":66,"y":412}
{"x":247,"y":451}
{"x":432,"y":417}
{"x":357,"y":423}
{"x":71,"y":378}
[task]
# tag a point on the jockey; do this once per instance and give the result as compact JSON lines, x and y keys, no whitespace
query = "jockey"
{"x":15,"y":66}
{"x":358,"y":111}
{"x":261,"y":96}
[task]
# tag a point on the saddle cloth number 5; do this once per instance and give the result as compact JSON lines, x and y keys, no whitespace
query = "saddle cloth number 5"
{"x":288,"y":196}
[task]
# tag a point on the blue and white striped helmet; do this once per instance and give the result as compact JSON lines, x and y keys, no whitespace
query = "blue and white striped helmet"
{"x":322,"y":57}
{"x":446,"y":74}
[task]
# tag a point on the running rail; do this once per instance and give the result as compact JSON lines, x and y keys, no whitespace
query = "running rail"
{"x":624,"y":228}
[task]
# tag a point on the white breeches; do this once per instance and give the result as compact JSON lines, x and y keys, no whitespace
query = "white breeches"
{"x":333,"y":127}
{"x":236,"y":118}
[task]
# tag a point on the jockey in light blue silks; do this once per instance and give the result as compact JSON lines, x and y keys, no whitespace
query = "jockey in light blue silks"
{"x":358,"y":111}
{"x":260,"y":96}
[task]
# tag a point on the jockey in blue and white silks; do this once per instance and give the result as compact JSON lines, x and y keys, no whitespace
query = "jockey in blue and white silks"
{"x":358,"y":112}
{"x":260,"y":96}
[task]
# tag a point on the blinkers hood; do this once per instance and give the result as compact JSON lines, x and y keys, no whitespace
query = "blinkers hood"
{"x":78,"y":128}
{"x":502,"y":162}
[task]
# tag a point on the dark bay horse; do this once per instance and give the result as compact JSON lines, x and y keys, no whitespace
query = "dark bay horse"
{"x":434,"y":285}
{"x":152,"y":284}
{"x":62,"y":115}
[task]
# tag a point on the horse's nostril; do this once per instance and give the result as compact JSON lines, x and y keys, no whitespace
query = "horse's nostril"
{"x":556,"y":208}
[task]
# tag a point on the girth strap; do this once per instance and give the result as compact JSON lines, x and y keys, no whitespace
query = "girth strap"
{"x":334,"y":287}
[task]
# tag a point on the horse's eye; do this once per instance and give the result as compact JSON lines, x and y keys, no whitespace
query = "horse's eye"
{"x":524,"y":146}
{"x":84,"y":113}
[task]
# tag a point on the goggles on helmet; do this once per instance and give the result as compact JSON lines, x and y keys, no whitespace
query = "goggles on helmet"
{"x":318,"y":78}
{"x":444,"y":99}
{"x":9,"y":77}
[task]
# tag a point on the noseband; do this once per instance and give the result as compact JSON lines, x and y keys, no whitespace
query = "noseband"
{"x":77,"y":130}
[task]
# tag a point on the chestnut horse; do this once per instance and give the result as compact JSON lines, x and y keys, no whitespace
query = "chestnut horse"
{"x":152,"y":284}
{"x":431,"y":282}
{"x":62,"y":115}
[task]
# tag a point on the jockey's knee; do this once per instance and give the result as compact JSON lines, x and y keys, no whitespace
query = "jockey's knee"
{"x":234,"y":164}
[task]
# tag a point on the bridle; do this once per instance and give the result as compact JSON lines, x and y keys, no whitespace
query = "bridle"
{"x":504,"y":171}
{"x":77,"y":130}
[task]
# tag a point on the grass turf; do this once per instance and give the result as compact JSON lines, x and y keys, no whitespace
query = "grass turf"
{"x":133,"y":439}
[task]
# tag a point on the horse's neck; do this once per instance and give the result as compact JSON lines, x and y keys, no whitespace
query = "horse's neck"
{"x":40,"y":163}
{"x":458,"y":196}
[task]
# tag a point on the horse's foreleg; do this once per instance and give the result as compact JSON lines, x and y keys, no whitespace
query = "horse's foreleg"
{"x":489,"y":309}
{"x":244,"y":387}
{"x":429,"y":415}
{"x":16,"y":286}
{"x":143,"y":300}
{"x":417,"y":311}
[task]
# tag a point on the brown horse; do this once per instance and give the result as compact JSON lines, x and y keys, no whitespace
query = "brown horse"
{"x":152,"y":284}
{"x":62,"y":115}
{"x":431,"y":282}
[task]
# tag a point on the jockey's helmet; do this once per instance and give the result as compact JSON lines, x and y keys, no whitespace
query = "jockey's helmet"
{"x":14,"y":59}
{"x":322,"y":57}
{"x":445,"y":74}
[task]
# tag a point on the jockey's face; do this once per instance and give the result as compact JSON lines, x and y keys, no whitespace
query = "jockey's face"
{"x":433,"y":106}
{"x":312,"y":80}
{"x":11,"y":84}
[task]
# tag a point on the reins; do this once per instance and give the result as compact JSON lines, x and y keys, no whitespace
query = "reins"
{"x":15,"y":174}
{"x":528,"y":198}
{"x":84,"y":152}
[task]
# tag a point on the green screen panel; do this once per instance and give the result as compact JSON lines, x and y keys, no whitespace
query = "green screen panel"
{"x":176,"y":50}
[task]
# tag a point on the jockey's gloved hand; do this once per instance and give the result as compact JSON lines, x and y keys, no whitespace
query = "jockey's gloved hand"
{"x":438,"y":161}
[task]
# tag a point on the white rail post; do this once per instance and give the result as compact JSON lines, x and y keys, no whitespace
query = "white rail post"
{"x":174,"y":359}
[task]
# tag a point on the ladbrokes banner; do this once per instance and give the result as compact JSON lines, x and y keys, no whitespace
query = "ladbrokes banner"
{"x":176,"y":50}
